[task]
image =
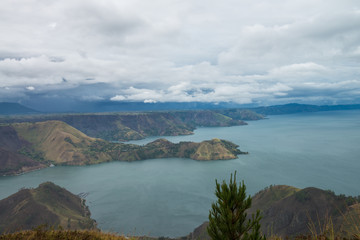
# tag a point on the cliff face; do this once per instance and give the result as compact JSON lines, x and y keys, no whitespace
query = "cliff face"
{"x":47,"y":204}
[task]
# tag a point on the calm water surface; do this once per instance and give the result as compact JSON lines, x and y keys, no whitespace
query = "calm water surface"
{"x":170,"y":197}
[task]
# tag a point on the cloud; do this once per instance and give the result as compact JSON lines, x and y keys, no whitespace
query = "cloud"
{"x":239,"y":51}
{"x":149,"y":101}
{"x":118,"y":98}
{"x":30,"y":88}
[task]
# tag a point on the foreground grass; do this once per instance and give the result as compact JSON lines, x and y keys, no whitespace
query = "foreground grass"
{"x":44,"y":234}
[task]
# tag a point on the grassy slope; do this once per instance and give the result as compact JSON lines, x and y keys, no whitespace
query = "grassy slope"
{"x":216,"y":149}
{"x":265,"y":198}
{"x":288,"y":211}
{"x":47,"y":204}
{"x":55,"y":142}
{"x":14,"y":163}
{"x":11,"y":161}
{"x":59,"y":142}
{"x":44,"y":234}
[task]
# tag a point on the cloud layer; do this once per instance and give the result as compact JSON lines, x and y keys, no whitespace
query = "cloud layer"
{"x":257,"y":51}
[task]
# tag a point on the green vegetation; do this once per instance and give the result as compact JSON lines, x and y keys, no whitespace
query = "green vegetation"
{"x":228,"y":217}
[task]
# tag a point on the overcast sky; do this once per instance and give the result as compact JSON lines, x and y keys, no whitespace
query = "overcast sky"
{"x":243,"y":51}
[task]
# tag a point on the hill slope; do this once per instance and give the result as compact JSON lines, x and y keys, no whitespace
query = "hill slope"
{"x":294,"y":209}
{"x":133,"y":126}
{"x":288,"y":211}
{"x":34,"y":145}
{"x":214,"y":149}
{"x":58,"y":143}
{"x":47,"y":204}
{"x":11,"y":161}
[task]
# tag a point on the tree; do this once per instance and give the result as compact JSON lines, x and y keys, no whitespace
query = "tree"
{"x":228,"y":218}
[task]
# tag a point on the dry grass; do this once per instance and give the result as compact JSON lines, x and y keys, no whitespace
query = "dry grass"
{"x":325,"y":230}
{"x":352,"y":221}
{"x":42,"y":233}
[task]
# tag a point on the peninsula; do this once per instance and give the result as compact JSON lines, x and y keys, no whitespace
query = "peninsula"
{"x":32,"y":145}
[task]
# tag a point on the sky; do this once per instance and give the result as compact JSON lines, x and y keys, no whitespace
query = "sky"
{"x":242,"y":51}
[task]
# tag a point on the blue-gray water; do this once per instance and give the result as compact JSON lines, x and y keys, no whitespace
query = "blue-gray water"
{"x":170,"y":197}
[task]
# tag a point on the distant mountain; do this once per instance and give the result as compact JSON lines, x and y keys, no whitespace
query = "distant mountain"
{"x":240,"y":114}
{"x":72,"y":106}
{"x":288,"y":211}
{"x":30,"y":145}
{"x":47,"y":204}
{"x":7,"y":108}
{"x":299,"y":108}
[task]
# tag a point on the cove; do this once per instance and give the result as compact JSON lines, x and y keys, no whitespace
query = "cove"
{"x":170,"y":197}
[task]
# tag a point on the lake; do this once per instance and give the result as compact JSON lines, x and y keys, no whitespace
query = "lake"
{"x":170,"y":197}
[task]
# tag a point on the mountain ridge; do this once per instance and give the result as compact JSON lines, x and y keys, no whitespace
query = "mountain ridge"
{"x":135,"y":126}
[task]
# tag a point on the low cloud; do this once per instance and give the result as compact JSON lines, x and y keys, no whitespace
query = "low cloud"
{"x":149,"y":101}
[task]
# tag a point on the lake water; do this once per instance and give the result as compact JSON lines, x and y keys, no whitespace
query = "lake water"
{"x":170,"y":197}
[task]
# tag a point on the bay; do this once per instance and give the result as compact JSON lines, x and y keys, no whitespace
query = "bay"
{"x":170,"y":197}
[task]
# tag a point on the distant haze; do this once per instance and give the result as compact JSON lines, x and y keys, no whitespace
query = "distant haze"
{"x":255,"y":52}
